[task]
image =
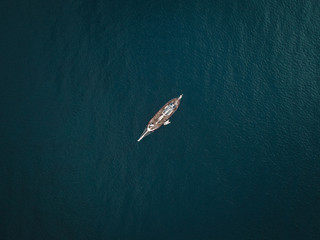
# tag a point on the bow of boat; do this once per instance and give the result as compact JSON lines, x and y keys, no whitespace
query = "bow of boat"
{"x":145,"y":133}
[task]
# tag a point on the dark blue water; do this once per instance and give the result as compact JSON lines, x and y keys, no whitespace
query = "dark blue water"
{"x":79,"y":81}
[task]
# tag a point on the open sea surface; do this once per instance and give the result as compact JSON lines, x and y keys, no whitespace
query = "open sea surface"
{"x":80,"y":79}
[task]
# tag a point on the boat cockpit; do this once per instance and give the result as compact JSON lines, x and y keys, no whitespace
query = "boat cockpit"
{"x":168,"y":109}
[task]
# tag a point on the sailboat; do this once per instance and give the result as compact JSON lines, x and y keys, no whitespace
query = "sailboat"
{"x":162,"y":116}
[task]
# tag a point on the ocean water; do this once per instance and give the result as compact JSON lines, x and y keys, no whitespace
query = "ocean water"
{"x":79,"y":81}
